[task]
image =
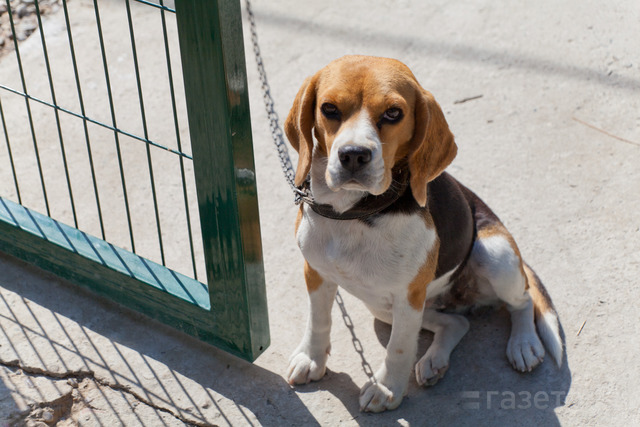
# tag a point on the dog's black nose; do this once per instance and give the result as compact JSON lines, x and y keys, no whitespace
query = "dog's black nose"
{"x":353,"y":157}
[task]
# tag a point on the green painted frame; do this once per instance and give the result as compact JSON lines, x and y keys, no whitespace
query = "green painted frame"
{"x":215,"y":80}
{"x":231,"y":312}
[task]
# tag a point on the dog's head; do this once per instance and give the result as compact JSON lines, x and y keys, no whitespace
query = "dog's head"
{"x":368,"y":113}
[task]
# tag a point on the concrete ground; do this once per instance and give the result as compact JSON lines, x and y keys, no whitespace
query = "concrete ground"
{"x":552,"y":143}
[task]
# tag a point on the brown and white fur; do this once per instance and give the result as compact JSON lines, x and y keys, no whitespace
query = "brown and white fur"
{"x":436,"y":251}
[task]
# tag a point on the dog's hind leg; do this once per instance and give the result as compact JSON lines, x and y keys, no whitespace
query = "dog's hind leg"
{"x":496,"y":258}
{"x":448,"y":330}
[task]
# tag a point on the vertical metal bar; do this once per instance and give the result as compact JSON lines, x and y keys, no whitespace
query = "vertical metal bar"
{"x":144,"y":128}
{"x":113,"y":120}
{"x":13,"y":166}
{"x":175,"y":121}
{"x":26,"y":100}
{"x":84,"y":115}
{"x":57,"y":114}
{"x":214,"y":73}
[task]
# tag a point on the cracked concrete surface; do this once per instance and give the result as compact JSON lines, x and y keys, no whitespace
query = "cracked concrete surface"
{"x":33,"y":397}
{"x":553,"y":145}
{"x":47,"y":347}
{"x":37,"y":399}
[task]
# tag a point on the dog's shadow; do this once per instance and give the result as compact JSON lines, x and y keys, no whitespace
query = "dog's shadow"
{"x":480,"y":387}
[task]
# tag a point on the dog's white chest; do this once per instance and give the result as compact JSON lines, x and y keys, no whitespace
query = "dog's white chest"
{"x":372,"y":262}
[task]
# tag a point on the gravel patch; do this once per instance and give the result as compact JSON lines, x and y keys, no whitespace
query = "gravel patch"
{"x":25,"y":20}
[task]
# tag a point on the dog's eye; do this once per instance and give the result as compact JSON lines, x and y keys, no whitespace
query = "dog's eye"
{"x":392,"y":115}
{"x":330,"y":111}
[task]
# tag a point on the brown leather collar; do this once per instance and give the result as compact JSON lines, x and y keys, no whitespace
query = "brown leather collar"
{"x":369,"y":204}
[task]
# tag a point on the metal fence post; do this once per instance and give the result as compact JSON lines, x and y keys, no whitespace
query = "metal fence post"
{"x":214,"y":72}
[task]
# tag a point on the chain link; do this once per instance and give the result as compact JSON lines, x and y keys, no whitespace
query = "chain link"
{"x":357,"y":344}
{"x":289,"y":173}
{"x":274,"y":124}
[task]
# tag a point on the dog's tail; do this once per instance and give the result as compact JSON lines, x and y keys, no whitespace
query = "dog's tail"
{"x":546,"y":316}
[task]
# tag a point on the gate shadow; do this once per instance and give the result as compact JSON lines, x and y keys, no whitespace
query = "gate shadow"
{"x":55,"y":329}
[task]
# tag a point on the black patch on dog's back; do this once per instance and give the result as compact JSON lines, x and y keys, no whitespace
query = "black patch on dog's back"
{"x":453,"y":218}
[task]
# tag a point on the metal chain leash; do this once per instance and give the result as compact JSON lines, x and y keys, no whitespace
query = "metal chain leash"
{"x":357,"y":344}
{"x":276,"y":131}
{"x":289,"y":173}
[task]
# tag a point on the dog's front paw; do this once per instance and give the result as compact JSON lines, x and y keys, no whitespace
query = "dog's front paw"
{"x":304,"y":368}
{"x":525,"y":351}
{"x":432,"y":366}
{"x":381,"y":394}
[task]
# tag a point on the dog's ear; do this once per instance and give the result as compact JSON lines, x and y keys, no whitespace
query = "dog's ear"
{"x":299,"y":125}
{"x":432,"y":144}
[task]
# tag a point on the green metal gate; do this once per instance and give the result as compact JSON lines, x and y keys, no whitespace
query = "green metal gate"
{"x":228,"y":308}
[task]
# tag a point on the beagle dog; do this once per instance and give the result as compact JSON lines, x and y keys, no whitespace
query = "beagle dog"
{"x":387,"y":224}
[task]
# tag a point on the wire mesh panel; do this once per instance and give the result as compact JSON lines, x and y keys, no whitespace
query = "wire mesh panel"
{"x":124,"y":174}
